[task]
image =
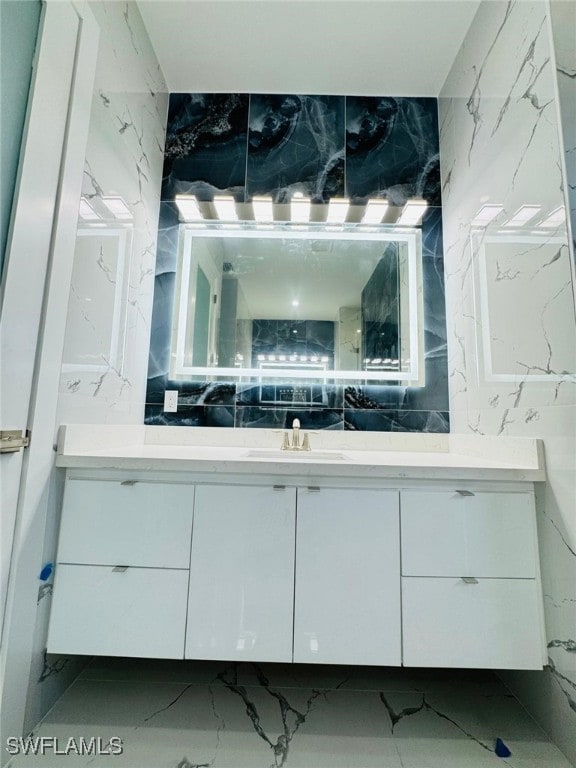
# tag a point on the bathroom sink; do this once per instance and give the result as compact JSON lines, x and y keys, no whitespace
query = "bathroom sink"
{"x":312,"y":455}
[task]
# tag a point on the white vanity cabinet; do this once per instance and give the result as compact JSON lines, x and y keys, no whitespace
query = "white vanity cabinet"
{"x":121,"y":578}
{"x":240,"y":604}
{"x":347,"y":606}
{"x":373,"y":572}
{"x":470,"y":589}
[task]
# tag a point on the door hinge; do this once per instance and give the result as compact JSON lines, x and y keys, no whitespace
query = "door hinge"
{"x":12,"y":440}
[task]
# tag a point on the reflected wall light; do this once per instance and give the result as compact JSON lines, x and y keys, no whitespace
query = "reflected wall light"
{"x":300,"y":208}
{"x":117,"y":207}
{"x":337,"y":210}
{"x":225,"y":208}
{"x":263,"y":212}
{"x":375,"y":211}
{"x":554,"y":219}
{"x":412,"y":213}
{"x":188,"y":207}
{"x":522,"y":216}
{"x":86,"y":211}
{"x":486,"y":214}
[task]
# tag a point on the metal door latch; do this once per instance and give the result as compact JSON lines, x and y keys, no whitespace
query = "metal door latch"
{"x":12,"y":440}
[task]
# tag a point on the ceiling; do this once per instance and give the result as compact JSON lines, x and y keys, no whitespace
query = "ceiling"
{"x":343,"y":47}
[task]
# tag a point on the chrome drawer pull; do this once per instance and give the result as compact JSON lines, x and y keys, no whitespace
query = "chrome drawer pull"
{"x":119,"y":568}
{"x":279,"y":487}
{"x":128,"y":482}
{"x":469,"y":580}
{"x":465,"y":493}
{"x":314,"y":488}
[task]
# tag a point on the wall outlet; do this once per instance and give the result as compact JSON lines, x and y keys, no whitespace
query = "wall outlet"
{"x":171,"y":400}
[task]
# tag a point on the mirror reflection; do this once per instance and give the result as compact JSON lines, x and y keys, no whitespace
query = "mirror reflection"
{"x":282,"y":303}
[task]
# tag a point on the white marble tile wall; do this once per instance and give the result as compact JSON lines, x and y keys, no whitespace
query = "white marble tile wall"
{"x":510,"y":297}
{"x":106,"y":348}
{"x":563,"y":16}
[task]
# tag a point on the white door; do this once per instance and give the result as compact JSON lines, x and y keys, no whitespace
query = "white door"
{"x":35,"y":287}
{"x":242,"y":574}
{"x":347,"y":601}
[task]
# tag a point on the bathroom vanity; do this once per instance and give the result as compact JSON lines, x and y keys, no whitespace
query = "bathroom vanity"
{"x":372,"y":548}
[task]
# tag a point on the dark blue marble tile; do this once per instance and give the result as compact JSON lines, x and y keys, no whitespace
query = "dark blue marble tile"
{"x":161,"y":327}
{"x":206,"y":145}
{"x":370,"y":421}
{"x":191,"y":416}
{"x":434,"y":395}
{"x":380,"y":308}
{"x":290,"y":394}
{"x":206,"y":393}
{"x":392,"y":148}
{"x":155,"y":388}
{"x":282,"y":418}
{"x":423,"y":421}
{"x":191,"y":392}
{"x":374,"y":397}
{"x":168,"y":233}
{"x":296,"y":144}
{"x":397,"y":421}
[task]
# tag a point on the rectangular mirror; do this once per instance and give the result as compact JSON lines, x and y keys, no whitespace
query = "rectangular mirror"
{"x":281,"y":303}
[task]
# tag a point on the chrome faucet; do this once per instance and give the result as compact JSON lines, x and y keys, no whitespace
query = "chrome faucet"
{"x":295,"y":444}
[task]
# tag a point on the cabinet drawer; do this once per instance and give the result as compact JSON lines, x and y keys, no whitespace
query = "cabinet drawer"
{"x":483,"y":534}
{"x":494,"y":623}
{"x":137,"y":612}
{"x":145,"y":524}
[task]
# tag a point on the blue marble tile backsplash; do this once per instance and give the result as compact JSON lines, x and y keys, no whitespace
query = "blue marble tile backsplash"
{"x":322,"y":146}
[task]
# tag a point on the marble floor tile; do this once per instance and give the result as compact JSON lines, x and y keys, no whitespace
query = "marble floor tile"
{"x":216,"y":715}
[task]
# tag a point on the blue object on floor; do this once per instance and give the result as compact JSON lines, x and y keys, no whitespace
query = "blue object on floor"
{"x":46,"y":572}
{"x":501,"y":749}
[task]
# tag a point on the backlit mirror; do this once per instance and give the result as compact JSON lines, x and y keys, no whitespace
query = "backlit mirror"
{"x":278,"y":303}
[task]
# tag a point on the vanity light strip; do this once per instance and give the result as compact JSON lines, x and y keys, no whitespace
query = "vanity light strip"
{"x":261,"y":211}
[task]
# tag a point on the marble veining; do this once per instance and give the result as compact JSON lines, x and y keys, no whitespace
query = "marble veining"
{"x":511,"y":368}
{"x":277,"y":145}
{"x":105,"y":349}
{"x":392,"y":148}
{"x":113,"y":276}
{"x":296,"y":144}
{"x":222,"y":715}
{"x":206,"y":145}
{"x":52,"y":666}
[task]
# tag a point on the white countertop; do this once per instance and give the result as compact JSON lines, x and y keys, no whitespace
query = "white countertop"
{"x":334,"y":454}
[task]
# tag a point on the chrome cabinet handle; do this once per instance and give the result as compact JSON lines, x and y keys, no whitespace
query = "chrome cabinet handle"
{"x":313,"y":488}
{"x":279,"y":487}
{"x":465,"y":493}
{"x":469,"y":580}
{"x":128,"y":482}
{"x":119,"y":568}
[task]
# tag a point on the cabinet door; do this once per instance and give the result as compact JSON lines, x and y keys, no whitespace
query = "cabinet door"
{"x":97,"y":610}
{"x":242,"y":574}
{"x":142,"y":524}
{"x":493,"y":623}
{"x":347,"y":603}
